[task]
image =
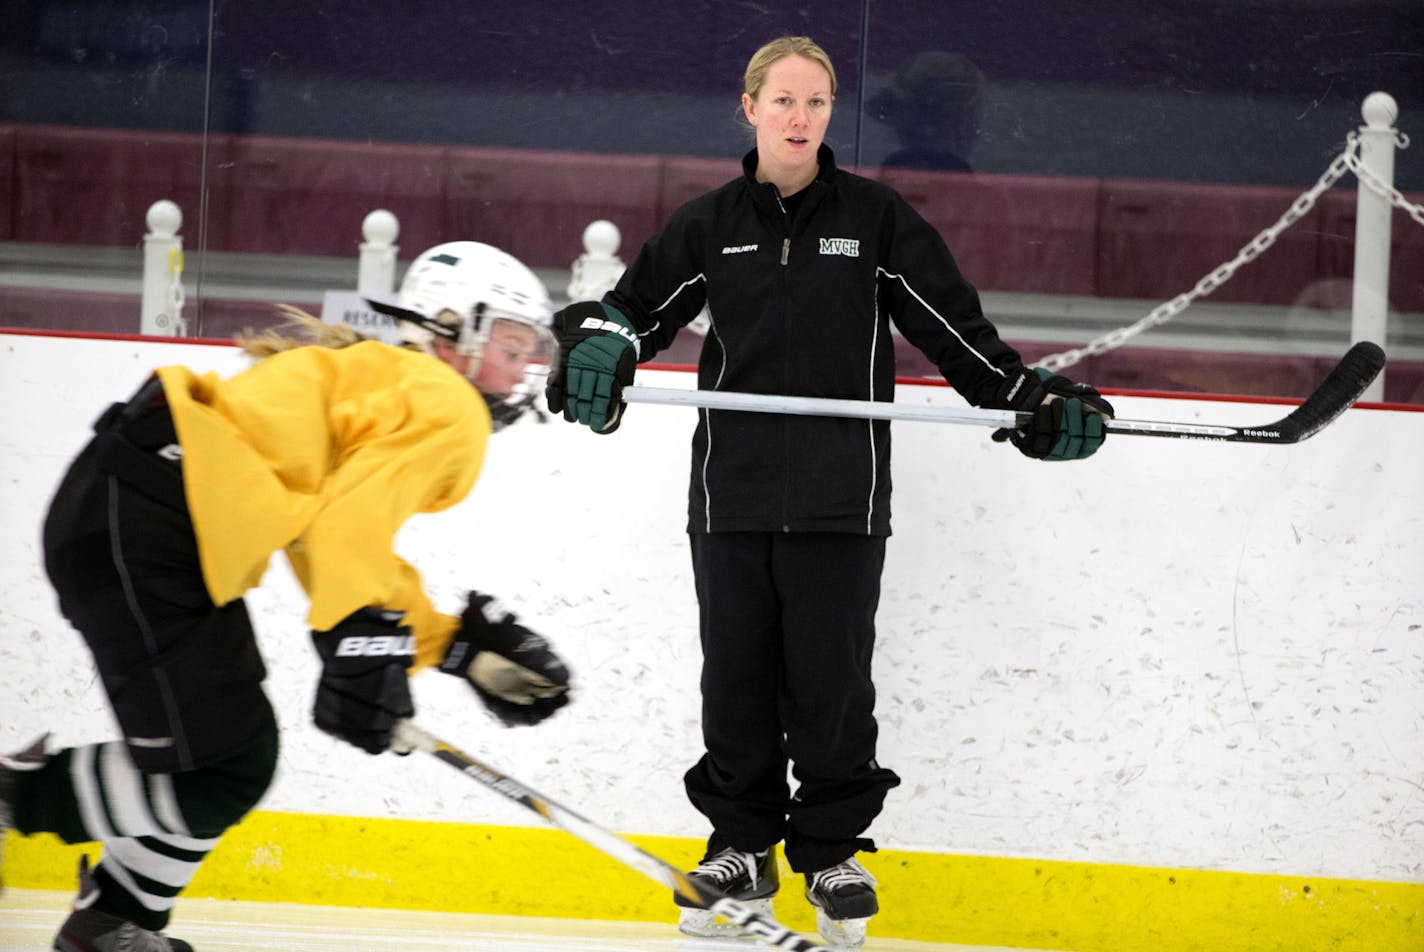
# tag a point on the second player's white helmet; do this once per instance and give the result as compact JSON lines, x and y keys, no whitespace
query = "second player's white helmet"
{"x":467,"y":288}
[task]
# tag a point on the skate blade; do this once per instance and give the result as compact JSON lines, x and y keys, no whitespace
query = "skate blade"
{"x":841,"y":933}
{"x":704,"y":924}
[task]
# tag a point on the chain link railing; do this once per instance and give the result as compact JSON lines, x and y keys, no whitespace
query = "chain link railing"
{"x":1362,"y":172}
{"x":1347,"y":161}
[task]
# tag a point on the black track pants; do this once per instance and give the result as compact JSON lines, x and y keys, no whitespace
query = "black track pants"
{"x":788,"y":632}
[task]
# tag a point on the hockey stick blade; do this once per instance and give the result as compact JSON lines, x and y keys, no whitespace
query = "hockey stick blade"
{"x":410,"y":737}
{"x":1336,"y":394}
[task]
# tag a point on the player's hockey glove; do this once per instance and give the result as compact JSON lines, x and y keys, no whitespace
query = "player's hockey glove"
{"x":598,"y":351}
{"x":364,"y":688}
{"x":1068,"y":418}
{"x":513,"y":670}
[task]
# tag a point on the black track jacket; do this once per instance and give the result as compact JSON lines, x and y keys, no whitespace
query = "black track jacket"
{"x":803,"y":307}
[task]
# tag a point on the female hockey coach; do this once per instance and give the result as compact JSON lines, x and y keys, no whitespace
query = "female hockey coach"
{"x":802,"y":268}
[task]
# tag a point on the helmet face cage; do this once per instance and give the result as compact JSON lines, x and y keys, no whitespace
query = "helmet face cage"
{"x":471,"y":286}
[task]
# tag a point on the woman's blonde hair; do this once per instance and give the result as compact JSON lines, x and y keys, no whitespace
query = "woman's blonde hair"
{"x":300,"y":330}
{"x":778,"y":49}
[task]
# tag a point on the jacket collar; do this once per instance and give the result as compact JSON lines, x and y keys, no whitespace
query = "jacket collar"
{"x":766,"y":192}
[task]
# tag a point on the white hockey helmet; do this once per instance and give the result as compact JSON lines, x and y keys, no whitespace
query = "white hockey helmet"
{"x":467,"y":287}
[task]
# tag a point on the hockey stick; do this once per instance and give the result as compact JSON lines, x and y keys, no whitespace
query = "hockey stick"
{"x":409,"y":736}
{"x":1340,"y":389}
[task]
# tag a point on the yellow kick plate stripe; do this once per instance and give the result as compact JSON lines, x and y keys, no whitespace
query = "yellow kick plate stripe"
{"x":976,"y":900}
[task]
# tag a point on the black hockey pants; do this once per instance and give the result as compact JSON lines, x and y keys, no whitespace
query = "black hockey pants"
{"x":788,"y":630}
{"x":183,"y":675}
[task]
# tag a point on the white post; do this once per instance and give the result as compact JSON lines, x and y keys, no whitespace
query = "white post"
{"x":376,"y":266}
{"x":161,"y":306}
{"x":1369,"y":314}
{"x":598,"y":269}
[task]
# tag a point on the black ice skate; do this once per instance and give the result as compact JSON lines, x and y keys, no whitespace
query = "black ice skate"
{"x":89,"y":930}
{"x":749,"y":878}
{"x":31,"y":758}
{"x":844,"y":897}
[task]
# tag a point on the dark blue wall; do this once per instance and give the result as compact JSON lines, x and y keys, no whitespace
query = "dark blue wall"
{"x":1259,"y":91}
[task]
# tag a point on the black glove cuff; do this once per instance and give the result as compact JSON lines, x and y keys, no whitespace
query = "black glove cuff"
{"x":489,"y":626}
{"x":485,"y":625}
{"x":1022,"y":390}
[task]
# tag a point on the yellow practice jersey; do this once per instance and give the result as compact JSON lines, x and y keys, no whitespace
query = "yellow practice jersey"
{"x":325,"y":453}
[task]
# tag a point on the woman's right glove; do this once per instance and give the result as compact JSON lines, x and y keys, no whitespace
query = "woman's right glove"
{"x":512,"y":670}
{"x":598,"y":351}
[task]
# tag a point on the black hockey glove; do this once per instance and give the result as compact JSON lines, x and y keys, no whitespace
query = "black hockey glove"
{"x":513,"y":670}
{"x":1067,"y":417}
{"x":598,"y":351}
{"x":364,"y":688}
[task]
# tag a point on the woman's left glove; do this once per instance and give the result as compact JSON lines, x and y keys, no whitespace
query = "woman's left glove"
{"x":513,"y":670}
{"x":1068,"y":418}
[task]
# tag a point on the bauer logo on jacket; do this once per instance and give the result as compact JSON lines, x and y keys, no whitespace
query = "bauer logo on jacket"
{"x":850,"y":247}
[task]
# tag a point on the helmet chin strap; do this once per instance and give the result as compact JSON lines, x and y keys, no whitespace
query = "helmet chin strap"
{"x":468,"y":337}
{"x":472,"y":338}
{"x":415,"y":317}
{"x":508,"y":408}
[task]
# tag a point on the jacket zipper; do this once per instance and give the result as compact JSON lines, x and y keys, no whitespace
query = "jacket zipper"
{"x":785,"y":257}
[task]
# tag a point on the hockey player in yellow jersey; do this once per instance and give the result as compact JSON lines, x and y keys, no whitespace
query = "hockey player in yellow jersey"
{"x":321,"y":450}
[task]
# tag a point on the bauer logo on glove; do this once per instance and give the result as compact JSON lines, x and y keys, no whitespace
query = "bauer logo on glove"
{"x":610,"y":327}
{"x":512,"y":670}
{"x":598,"y":352}
{"x":374,"y":646}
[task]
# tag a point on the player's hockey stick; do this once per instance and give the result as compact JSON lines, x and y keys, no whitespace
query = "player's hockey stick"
{"x":765,"y":928}
{"x":1340,"y":389}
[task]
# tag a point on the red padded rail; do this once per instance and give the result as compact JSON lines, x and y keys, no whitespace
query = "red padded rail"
{"x":536,"y":205}
{"x":1011,"y":232}
{"x":7,"y":182}
{"x":1014,"y":233}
